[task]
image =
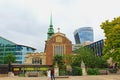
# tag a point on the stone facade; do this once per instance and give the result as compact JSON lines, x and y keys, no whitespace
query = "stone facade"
{"x":57,"y":44}
{"x":35,"y":56}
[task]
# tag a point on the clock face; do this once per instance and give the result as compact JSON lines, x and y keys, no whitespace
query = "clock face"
{"x":58,"y":39}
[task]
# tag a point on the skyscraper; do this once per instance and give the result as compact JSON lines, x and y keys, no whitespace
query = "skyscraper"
{"x":83,"y":34}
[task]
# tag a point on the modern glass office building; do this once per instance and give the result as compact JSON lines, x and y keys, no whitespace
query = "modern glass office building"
{"x":7,"y":47}
{"x":97,"y":47}
{"x":83,"y":34}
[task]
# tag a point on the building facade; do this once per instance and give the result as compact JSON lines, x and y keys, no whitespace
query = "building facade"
{"x":58,"y":44}
{"x":83,"y":34}
{"x":76,"y":46}
{"x":7,"y":47}
{"x":35,"y":58}
{"x":97,"y":47}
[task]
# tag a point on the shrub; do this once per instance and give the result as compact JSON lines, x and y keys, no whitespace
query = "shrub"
{"x":62,"y":72}
{"x":118,"y":65}
{"x":77,"y":71}
{"x":93,"y":71}
{"x":112,"y":70}
{"x":95,"y":62}
{"x":22,"y":75}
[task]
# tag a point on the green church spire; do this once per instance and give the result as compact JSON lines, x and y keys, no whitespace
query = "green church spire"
{"x":50,"y":30}
{"x":51,"y":21}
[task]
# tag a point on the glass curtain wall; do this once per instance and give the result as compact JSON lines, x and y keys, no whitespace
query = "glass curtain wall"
{"x":8,"y":47}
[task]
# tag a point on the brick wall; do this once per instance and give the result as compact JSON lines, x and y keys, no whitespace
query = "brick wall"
{"x":53,"y":41}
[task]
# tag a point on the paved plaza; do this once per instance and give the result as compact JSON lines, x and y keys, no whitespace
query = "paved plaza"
{"x":100,"y":77}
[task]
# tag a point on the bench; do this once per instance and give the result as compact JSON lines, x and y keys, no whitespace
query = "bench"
{"x":61,"y":76}
{"x":103,"y":72}
{"x":33,"y":74}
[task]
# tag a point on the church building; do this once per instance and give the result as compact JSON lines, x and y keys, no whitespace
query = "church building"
{"x":56,"y":44}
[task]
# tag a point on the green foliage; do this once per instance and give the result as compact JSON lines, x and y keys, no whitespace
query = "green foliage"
{"x":68,"y":58}
{"x":10,"y":58}
{"x":59,"y":60}
{"x":112,"y":41}
{"x":76,"y":60}
{"x":1,"y":58}
{"x":116,"y":55}
{"x":101,"y":62}
{"x":118,"y":65}
{"x":62,"y":72}
{"x":21,"y":75}
{"x":113,"y":70}
{"x":89,"y":58}
{"x":77,"y":71}
{"x":93,"y":71}
{"x":96,"y":62}
{"x":82,"y":54}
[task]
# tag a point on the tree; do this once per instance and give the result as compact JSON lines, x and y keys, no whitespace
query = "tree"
{"x":68,"y":58}
{"x":84,"y":54}
{"x":89,"y":58}
{"x":10,"y":58}
{"x":1,"y":58}
{"x":112,"y":41}
{"x":59,"y":60}
{"x":76,"y":60}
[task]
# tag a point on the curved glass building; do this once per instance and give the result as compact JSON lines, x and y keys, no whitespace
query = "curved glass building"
{"x":9,"y":47}
{"x":83,"y":34}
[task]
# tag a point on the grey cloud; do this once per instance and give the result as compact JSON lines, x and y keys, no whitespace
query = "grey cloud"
{"x":15,"y":19}
{"x":20,"y":26}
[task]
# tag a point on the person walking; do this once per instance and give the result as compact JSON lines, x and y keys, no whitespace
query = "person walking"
{"x":49,"y":74}
{"x":52,"y":74}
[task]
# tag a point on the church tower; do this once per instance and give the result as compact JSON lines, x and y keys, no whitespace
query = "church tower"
{"x":56,"y":44}
{"x":50,"y":30}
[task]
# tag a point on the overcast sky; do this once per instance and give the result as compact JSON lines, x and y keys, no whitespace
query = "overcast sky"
{"x":26,"y":22}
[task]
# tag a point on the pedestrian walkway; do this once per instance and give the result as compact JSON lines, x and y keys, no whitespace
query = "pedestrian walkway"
{"x":99,"y":77}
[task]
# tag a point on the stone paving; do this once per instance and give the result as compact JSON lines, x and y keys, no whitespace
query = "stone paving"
{"x":100,"y":77}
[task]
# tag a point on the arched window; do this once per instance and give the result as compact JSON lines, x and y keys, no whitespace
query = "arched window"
{"x":59,"y":49}
{"x":33,"y":61}
{"x":40,"y":61}
{"x":36,"y":61}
